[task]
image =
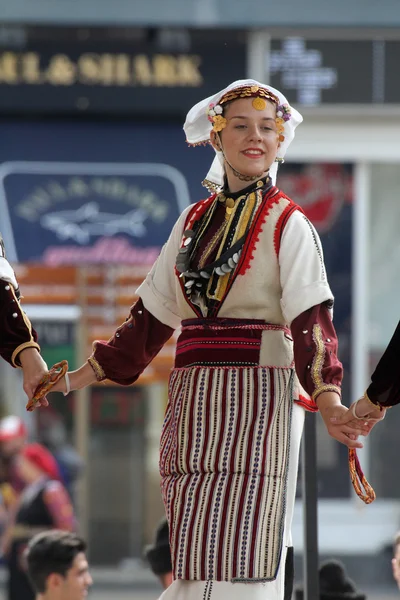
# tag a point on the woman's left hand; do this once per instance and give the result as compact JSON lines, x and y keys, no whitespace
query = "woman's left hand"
{"x":345,"y":432}
{"x":332,"y":411}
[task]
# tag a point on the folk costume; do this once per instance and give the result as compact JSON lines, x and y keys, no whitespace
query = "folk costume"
{"x":384,"y":389}
{"x":243,"y":275}
{"x":16,"y":332}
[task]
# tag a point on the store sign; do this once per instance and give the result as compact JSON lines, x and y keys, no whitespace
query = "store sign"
{"x":103,"y":69}
{"x":88,"y":192}
{"x":77,"y":213}
{"x":105,"y":77}
{"x":315,"y":72}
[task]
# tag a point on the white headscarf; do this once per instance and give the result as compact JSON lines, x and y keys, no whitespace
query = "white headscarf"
{"x":197,"y":128}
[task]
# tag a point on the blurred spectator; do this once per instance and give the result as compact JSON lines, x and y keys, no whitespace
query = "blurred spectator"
{"x":8,"y":498}
{"x":159,"y":555}
{"x":334,"y":584}
{"x":396,"y":559}
{"x":44,"y":504}
{"x":53,"y":434}
{"x":57,"y":566}
{"x":13,"y":435}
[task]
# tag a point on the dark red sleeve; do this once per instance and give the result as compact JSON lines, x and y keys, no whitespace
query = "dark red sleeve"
{"x":16,"y":332}
{"x":133,"y":346}
{"x":385,"y":381}
{"x":315,"y":351}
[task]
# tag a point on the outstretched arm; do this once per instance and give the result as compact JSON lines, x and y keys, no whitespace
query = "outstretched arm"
{"x":150,"y":324}
{"x":384,"y":389}
{"x":18,"y":339}
{"x":80,"y":378}
{"x":16,"y":331}
{"x":125,"y":356}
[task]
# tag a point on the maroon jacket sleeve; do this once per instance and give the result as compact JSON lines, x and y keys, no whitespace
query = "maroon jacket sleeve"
{"x":16,"y":331}
{"x":315,"y":351}
{"x":385,"y":381}
{"x":133,"y":346}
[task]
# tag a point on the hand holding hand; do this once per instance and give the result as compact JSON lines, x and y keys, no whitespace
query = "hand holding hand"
{"x":332,"y":413}
{"x":47,"y":383}
{"x":34,"y":368}
{"x":363,"y":412}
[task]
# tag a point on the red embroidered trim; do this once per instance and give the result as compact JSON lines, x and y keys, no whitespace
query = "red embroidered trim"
{"x":283,"y":219}
{"x":307,"y":403}
{"x":272,"y":197}
{"x":197,"y":211}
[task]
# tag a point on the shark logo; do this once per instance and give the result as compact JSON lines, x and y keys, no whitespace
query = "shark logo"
{"x":86,"y":222}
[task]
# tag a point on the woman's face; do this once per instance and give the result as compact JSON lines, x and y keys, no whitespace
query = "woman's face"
{"x":250,"y":139}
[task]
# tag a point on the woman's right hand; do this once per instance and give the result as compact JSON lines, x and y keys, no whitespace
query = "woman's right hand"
{"x":61,"y":386}
{"x":78,"y":379}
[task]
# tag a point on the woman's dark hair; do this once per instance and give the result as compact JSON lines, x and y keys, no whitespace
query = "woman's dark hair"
{"x":51,"y":552}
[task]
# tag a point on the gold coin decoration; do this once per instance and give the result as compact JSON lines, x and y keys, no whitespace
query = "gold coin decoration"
{"x":259,"y":103}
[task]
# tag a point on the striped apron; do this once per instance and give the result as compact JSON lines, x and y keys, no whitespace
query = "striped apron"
{"x":224,"y":453}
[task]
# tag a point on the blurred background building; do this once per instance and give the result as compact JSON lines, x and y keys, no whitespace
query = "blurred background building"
{"x":94,"y":170}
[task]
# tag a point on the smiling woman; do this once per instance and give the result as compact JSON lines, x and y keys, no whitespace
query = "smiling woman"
{"x":249,"y":141}
{"x":243,"y":275}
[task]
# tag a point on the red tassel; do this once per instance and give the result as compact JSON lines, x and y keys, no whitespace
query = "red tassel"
{"x":358,"y":479}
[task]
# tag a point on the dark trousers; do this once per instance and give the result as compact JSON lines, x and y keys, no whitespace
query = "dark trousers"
{"x":289,"y":574}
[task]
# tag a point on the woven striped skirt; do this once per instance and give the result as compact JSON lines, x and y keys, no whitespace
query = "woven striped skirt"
{"x":224,"y":454}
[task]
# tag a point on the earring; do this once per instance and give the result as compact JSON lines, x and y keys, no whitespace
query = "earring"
{"x":219,"y":145}
{"x":279,"y":160}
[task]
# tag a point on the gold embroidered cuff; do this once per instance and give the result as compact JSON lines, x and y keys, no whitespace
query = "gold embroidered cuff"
{"x":97,"y":368}
{"x":14,"y":357}
{"x":326,"y":387}
{"x":319,"y":356}
{"x":375,"y":405}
